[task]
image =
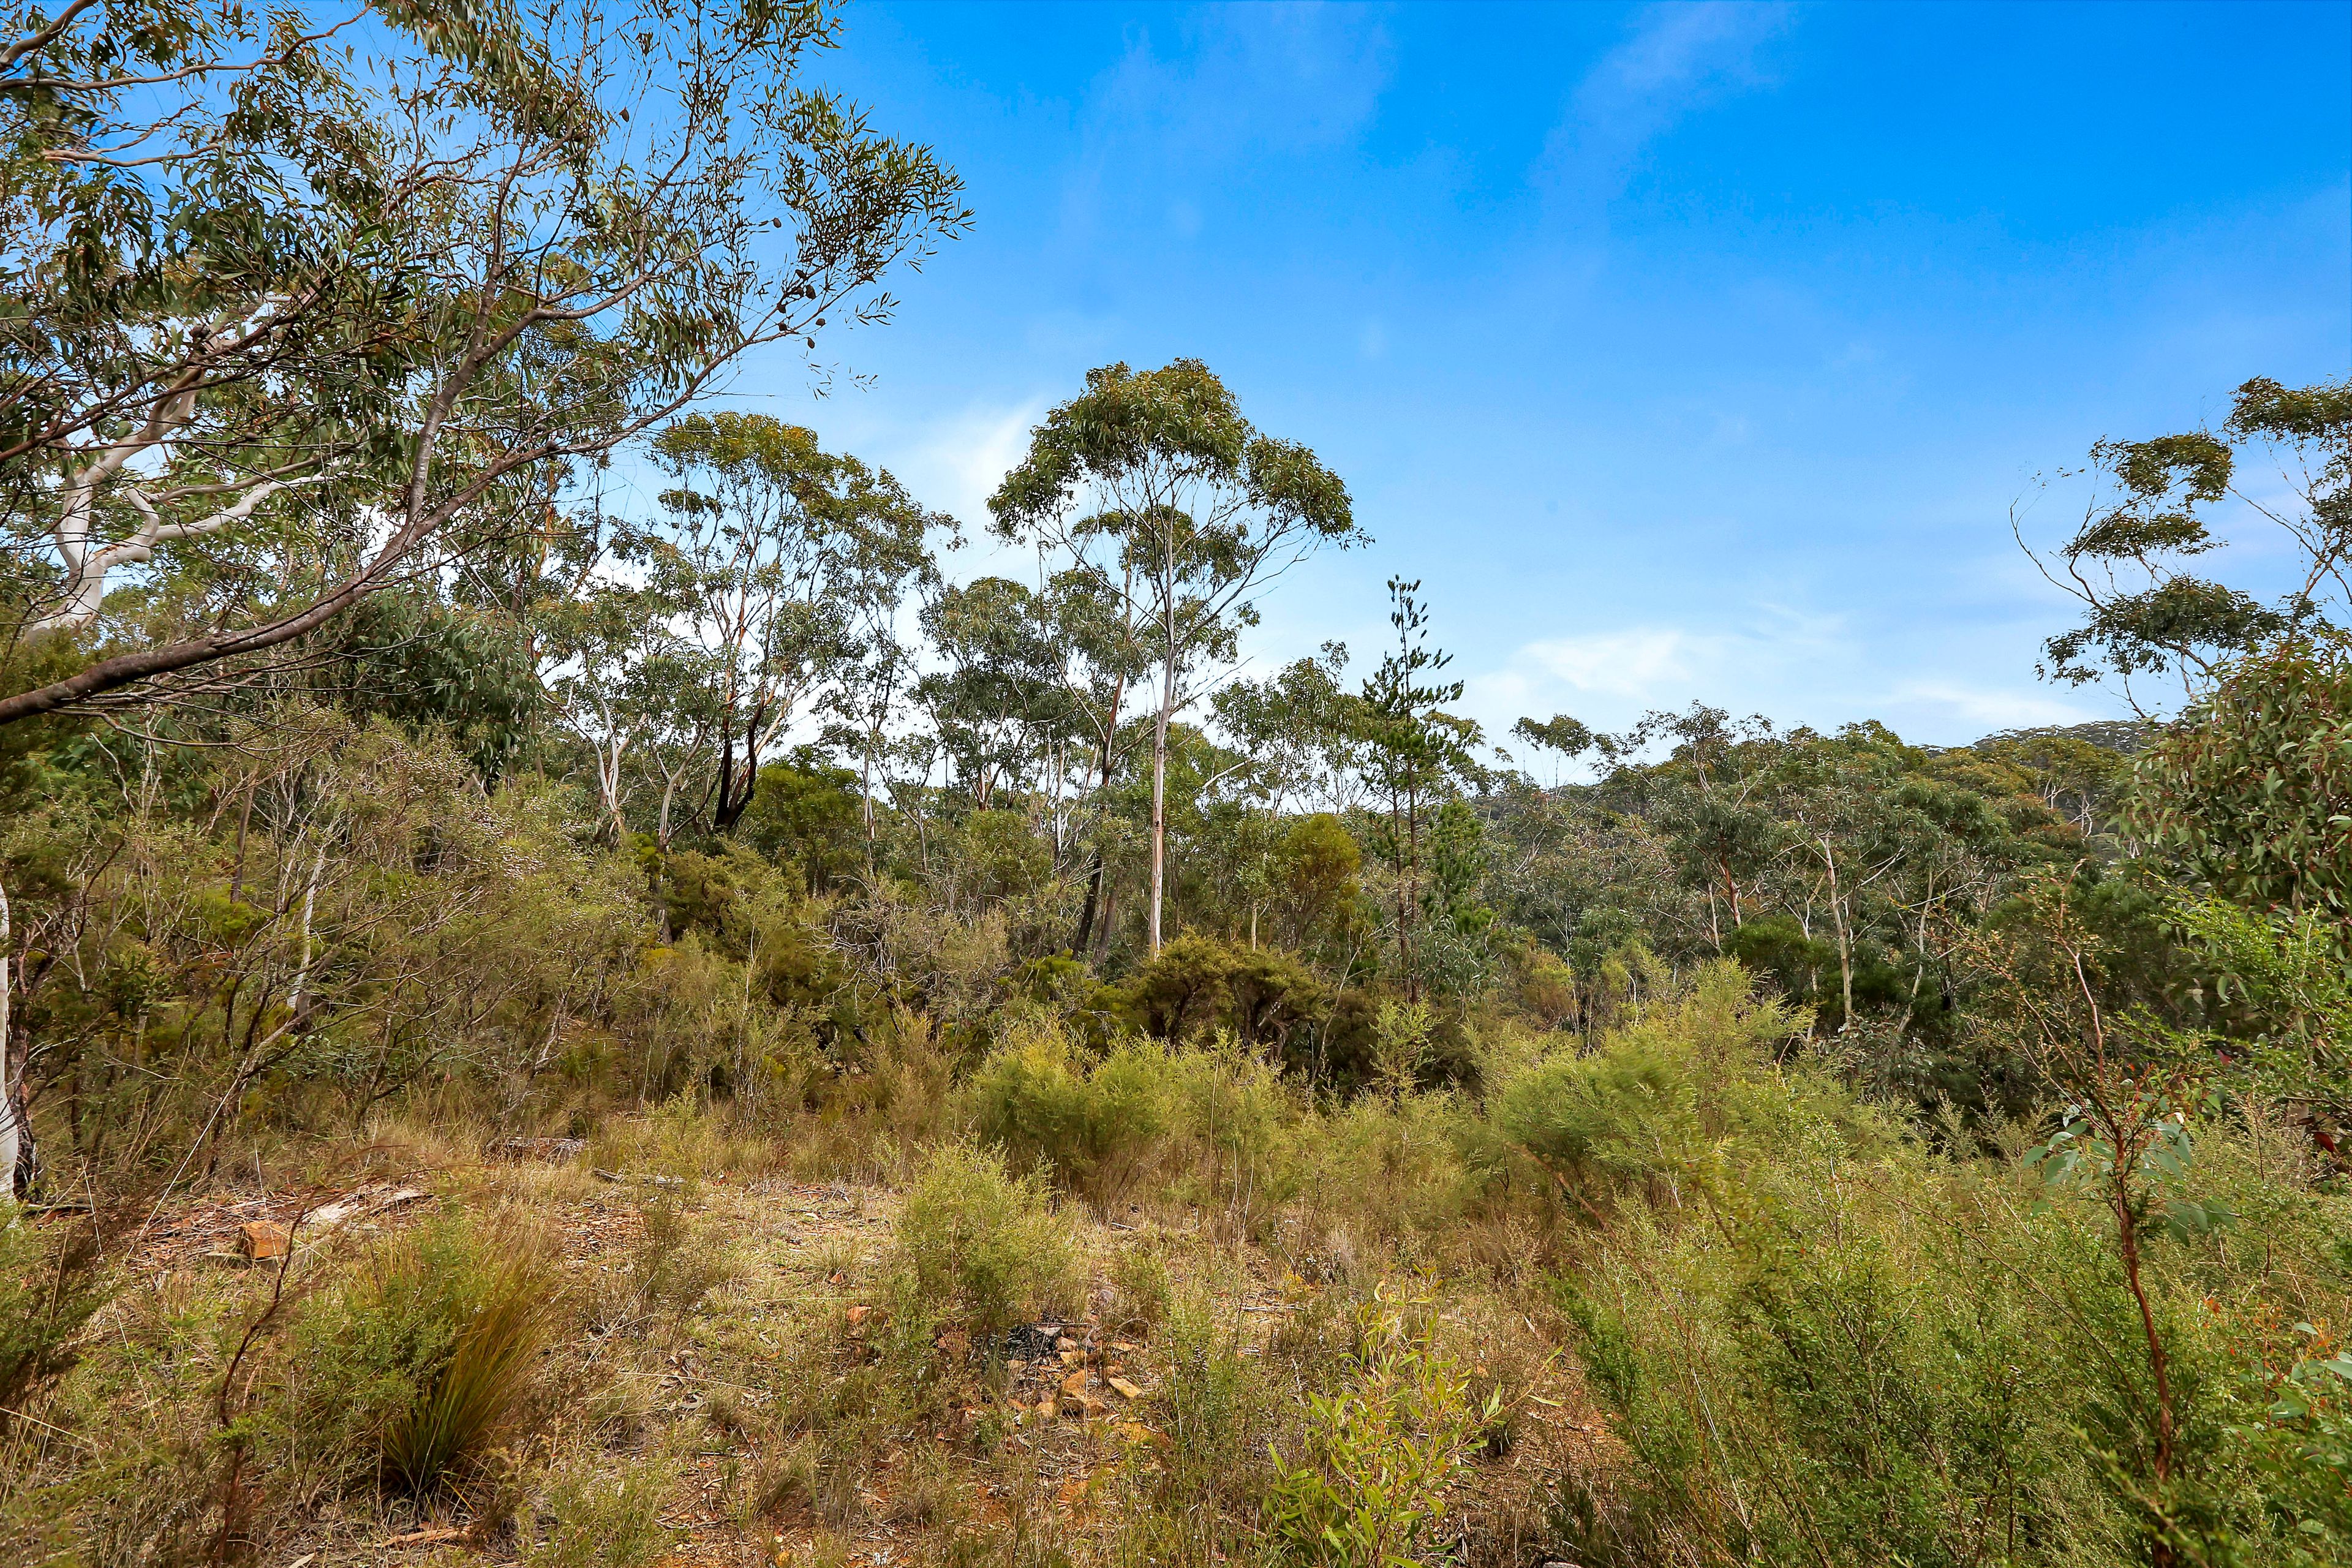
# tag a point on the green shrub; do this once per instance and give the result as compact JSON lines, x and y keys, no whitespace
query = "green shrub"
{"x":1668,"y":1100}
{"x":1140,"y":1275}
{"x":1213,"y":1405}
{"x":1894,"y":1358}
{"x":1369,"y":1487}
{"x":50,"y":1283}
{"x":1094,"y":1126}
{"x":430,"y":1356}
{"x":977,"y":1246}
{"x":675,"y":1265}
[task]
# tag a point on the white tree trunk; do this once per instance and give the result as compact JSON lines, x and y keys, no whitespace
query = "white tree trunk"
{"x":14,"y":1145}
{"x":1160,"y":799}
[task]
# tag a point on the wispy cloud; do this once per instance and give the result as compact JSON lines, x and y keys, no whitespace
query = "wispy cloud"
{"x":1990,"y":709}
{"x":1248,"y":77}
{"x":1611,"y":677}
{"x":1789,"y":665}
{"x":1675,"y":57}
{"x":1237,"y":83}
{"x":954,"y":463}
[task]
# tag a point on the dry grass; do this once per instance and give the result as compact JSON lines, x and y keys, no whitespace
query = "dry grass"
{"x":729,"y":1367}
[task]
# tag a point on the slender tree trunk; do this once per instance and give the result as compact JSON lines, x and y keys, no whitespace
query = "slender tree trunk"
{"x":1160,"y":793}
{"x":309,"y":906}
{"x":16,"y":1152}
{"x":865,"y":801}
{"x":1102,"y":783}
{"x":1109,"y":919}
{"x":244,"y":816}
{"x":1845,"y":938}
{"x":2160,"y":1553}
{"x":1086,"y":911}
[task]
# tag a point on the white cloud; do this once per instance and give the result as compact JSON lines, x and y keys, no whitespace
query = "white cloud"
{"x":955,"y":462}
{"x":1611,"y":677}
{"x":1792,"y":667}
{"x":1983,"y":709}
{"x":1675,"y":57}
{"x":1250,"y":77}
{"x":1634,"y":664}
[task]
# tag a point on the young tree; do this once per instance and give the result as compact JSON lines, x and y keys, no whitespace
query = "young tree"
{"x":1415,"y":754}
{"x":1289,"y":733}
{"x":1164,"y":501}
{"x":1712,"y":800}
{"x":303,"y":304}
{"x":1104,"y":655}
{"x":615,"y":670}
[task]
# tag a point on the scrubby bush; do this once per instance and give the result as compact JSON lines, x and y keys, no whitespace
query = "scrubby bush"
{"x":977,"y":1246}
{"x":1860,"y":1351}
{"x":1215,"y":1406}
{"x":1666,"y":1100}
{"x":1091,"y":1125}
{"x":50,"y":1283}
{"x":673,"y":1267}
{"x":421,"y":1363}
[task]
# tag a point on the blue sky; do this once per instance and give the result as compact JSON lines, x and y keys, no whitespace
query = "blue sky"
{"x":1682,"y":351}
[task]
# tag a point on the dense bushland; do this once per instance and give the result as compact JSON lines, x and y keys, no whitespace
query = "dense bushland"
{"x":535,"y":1023}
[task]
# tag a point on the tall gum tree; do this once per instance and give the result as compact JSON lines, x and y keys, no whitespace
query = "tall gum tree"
{"x":773,"y":544}
{"x":299,"y":303}
{"x":1159,"y":497}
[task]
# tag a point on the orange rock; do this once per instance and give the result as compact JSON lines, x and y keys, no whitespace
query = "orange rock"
{"x":1125,"y":1389}
{"x":261,"y":1239}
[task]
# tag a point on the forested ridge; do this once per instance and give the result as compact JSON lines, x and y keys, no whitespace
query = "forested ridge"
{"x":576,"y":988}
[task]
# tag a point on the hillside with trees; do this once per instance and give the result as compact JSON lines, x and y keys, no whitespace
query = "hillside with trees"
{"x":557,"y":1021}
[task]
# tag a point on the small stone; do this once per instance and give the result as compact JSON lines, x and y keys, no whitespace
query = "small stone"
{"x":262,"y":1239}
{"x":1125,"y":1389}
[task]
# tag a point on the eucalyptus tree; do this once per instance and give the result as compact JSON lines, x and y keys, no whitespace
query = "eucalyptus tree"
{"x":617,"y":673}
{"x":1711,"y":798}
{"x":774,"y":546}
{"x":299,"y":303}
{"x":997,"y":704}
{"x":1153,"y":491}
{"x":866,"y":699}
{"x":2146,"y":613}
{"x":1105,"y":654}
{"x":1289,"y":733}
